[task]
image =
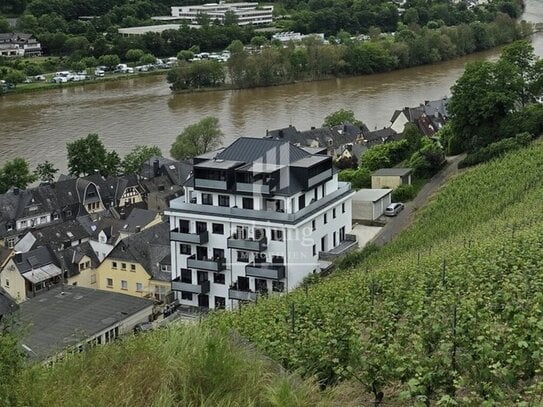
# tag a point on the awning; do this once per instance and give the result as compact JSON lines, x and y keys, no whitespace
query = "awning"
{"x":43,"y":273}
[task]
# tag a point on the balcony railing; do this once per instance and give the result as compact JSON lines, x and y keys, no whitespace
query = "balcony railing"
{"x":236,"y":294}
{"x":252,"y":245}
{"x":202,"y":288}
{"x":195,"y":238}
{"x":319,"y":178}
{"x":215,"y":265}
{"x":209,"y":183}
{"x":270,"y":271}
{"x":253,"y":188}
{"x":178,"y":205}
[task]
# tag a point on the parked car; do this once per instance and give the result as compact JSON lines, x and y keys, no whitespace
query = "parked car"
{"x":394,"y":208}
{"x":59,"y":79}
{"x":39,"y":77}
{"x":99,"y":72}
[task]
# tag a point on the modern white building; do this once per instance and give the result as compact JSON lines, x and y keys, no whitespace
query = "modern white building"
{"x":246,"y":12}
{"x":256,"y":218}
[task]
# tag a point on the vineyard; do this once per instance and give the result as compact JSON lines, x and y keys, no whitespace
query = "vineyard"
{"x":450,"y":313}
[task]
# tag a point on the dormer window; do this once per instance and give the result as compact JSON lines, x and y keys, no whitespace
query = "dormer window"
{"x":55,"y":216}
{"x":9,"y":227}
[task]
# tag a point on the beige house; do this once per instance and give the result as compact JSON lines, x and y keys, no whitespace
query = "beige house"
{"x":390,"y":178}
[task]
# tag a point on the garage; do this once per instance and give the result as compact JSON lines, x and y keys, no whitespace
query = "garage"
{"x":370,"y":204}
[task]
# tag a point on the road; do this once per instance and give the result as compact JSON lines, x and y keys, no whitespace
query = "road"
{"x":403,"y":219}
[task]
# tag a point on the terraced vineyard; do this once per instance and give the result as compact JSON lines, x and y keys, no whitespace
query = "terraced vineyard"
{"x":448,"y":313}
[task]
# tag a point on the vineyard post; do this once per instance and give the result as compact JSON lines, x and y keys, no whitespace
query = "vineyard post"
{"x":453,"y":354}
{"x":292,"y":317}
{"x":443,"y":271}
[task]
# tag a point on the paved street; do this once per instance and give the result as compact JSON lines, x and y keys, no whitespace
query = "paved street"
{"x":404,"y":218}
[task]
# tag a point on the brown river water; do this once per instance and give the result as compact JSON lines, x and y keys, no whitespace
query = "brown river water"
{"x":37,"y":125}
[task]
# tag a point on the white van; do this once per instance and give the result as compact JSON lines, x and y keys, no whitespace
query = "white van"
{"x":99,"y":73}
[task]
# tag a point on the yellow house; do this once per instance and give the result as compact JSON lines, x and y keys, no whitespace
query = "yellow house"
{"x":139,"y":265}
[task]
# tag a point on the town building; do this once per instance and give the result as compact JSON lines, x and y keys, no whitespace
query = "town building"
{"x":288,"y":36}
{"x":429,"y":117}
{"x":69,"y":318}
{"x":139,"y":265}
{"x":19,"y":45}
{"x":390,"y":178}
{"x":245,"y":12}
{"x":255,"y":219}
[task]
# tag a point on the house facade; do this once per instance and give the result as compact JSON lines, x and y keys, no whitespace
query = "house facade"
{"x":246,"y":12}
{"x":254,"y":220}
{"x":18,"y":45}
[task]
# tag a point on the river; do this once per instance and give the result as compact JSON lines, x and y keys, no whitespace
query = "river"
{"x":37,"y":125}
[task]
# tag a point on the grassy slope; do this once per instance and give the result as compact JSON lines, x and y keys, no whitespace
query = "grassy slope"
{"x":477,"y":249}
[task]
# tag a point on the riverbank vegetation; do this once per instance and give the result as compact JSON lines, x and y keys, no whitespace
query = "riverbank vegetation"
{"x":275,"y":64}
{"x":496,"y":101}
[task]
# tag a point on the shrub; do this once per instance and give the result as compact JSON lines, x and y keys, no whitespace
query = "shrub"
{"x":496,"y":149}
{"x":403,"y":193}
{"x":359,"y":178}
{"x":428,"y":160}
{"x":385,"y":155}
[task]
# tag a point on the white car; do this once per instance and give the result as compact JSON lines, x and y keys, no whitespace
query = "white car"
{"x":99,"y":73}
{"x":394,"y":208}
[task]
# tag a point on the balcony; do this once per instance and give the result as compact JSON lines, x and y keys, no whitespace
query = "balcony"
{"x":255,"y":188}
{"x":271,"y":271}
{"x":323,"y":176}
{"x":214,"y":265}
{"x":194,"y":238}
{"x":252,"y":245}
{"x":202,"y":288}
{"x":210,"y":184}
{"x":236,"y":294}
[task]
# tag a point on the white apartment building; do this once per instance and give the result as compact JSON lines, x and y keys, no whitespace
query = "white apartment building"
{"x":257,"y":217}
{"x":246,"y":12}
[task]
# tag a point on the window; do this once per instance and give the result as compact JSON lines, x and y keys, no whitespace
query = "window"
{"x":133,"y":267}
{"x":186,"y":296}
{"x":207,"y":199}
{"x":185,"y":249}
{"x":278,"y":286}
{"x":218,"y":253}
{"x":186,"y":276}
{"x":325,"y":218}
{"x":123,"y":266}
{"x":184,"y":226}
{"x":9,"y":227}
{"x":314,"y":250}
{"x":218,"y":228}
{"x":278,"y":260}
{"x":220,"y":302}
{"x":243,"y":256}
{"x":201,"y":227}
{"x":277,"y":234}
{"x":43,"y":219}
{"x":139,"y":287}
{"x":114,"y":264}
{"x":334,"y":213}
{"x":7,"y":283}
{"x":343,"y":207}
{"x":110,"y":282}
{"x":248,"y":203}
{"x":224,"y":200}
{"x":10,"y":242}
{"x":218,"y":278}
{"x":23,"y":224}
{"x":301,"y":202}
{"x":124,"y":285}
{"x":315,"y":193}
{"x":313,"y":225}
{"x":55,"y":216}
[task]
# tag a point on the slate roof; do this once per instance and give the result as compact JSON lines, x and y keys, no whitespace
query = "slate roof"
{"x":393,"y":172}
{"x":41,"y":256}
{"x":60,"y":234}
{"x":64,"y":316}
{"x":138,"y":218}
{"x":149,"y":248}
{"x":71,"y":257}
{"x":176,"y":171}
{"x":271,"y":151}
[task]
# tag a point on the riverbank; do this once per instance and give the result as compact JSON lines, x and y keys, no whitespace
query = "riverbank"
{"x":47,"y":85}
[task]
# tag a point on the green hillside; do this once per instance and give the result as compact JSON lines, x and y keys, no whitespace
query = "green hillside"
{"x":450,"y":313}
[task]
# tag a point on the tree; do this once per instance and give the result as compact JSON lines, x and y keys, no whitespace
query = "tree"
{"x":111,"y":165}
{"x":86,"y":155}
{"x":15,"y":173}
{"x":110,"y":61}
{"x":4,"y":25}
{"x":45,"y":172}
{"x":198,"y":138}
{"x":340,"y":117}
{"x":134,"y":54}
{"x":134,"y":160}
{"x":413,"y":136}
{"x":230,"y":18}
{"x":147,"y":59}
{"x":185,"y":55}
{"x":15,"y":76}
{"x":11,"y":364}
{"x":258,"y":41}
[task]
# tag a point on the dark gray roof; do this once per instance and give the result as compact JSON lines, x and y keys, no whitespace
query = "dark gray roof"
{"x":176,"y":171}
{"x":67,"y":315}
{"x":285,"y":132}
{"x":60,"y":234}
{"x":34,"y":258}
{"x":148,"y":248}
{"x":71,"y":257}
{"x":398,"y":172}
{"x":271,"y":151}
{"x":138,"y":218}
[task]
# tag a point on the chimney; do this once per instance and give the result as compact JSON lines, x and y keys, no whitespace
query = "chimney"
{"x":344,"y":127}
{"x":122,"y":213}
{"x":156,"y":168}
{"x":15,"y":191}
{"x":281,"y":134}
{"x":138,"y":229}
